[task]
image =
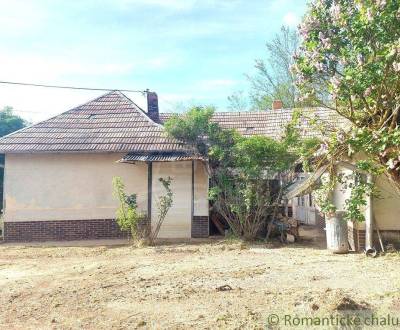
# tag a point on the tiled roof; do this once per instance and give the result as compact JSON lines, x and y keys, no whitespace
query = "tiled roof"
{"x":272,"y":123}
{"x":110,"y":123}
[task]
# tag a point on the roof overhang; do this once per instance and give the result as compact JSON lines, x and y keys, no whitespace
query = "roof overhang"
{"x":303,"y":186}
{"x":157,"y":156}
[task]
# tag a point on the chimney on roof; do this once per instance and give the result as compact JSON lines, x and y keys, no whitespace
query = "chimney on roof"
{"x":152,"y":106}
{"x":277,"y":104}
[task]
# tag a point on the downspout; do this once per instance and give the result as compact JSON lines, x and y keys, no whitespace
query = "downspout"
{"x":149,"y":190}
{"x":192,"y":201}
{"x":369,"y":222}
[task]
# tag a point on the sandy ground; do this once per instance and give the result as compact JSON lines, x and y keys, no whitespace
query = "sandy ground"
{"x":175,"y":286}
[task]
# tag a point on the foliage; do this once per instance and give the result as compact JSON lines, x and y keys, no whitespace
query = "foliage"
{"x":164,"y":203}
{"x":274,"y":80}
{"x":238,"y":101}
{"x":196,"y":128}
{"x":349,"y":60}
{"x":355,"y":205}
{"x":10,"y":122}
{"x":323,"y":193}
{"x":303,"y":147}
{"x":240,"y":169}
{"x":127,"y":215}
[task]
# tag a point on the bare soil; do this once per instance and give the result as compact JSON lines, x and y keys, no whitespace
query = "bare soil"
{"x":216,"y":284}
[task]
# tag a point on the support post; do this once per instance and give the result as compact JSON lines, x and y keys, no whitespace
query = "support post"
{"x":192,"y":192}
{"x":369,"y":220}
{"x":149,"y":189}
{"x":286,"y":203}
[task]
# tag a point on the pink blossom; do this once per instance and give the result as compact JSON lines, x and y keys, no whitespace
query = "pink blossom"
{"x":335,"y":82}
{"x":368,"y":92}
{"x":319,"y":66}
{"x":360,"y":59}
{"x":370,"y":17}
{"x":391,"y":164}
{"x":335,"y":11}
{"x":381,"y":3}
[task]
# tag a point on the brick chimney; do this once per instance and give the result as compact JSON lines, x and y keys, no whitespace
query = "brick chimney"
{"x":152,"y":106}
{"x":277,"y":104}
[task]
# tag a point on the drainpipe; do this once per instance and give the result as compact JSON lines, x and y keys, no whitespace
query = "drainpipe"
{"x":369,"y":219}
{"x":286,"y":203}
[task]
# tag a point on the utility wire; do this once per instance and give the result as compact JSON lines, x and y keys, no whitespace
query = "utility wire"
{"x":71,"y":87}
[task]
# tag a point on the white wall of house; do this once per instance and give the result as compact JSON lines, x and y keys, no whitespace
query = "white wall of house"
{"x":386,"y":206}
{"x":42,"y":187}
{"x":304,"y":210}
{"x":177,"y":223}
{"x":201,"y":205}
{"x":341,"y":193}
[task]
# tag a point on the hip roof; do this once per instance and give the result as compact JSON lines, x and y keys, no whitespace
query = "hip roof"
{"x":109,"y":123}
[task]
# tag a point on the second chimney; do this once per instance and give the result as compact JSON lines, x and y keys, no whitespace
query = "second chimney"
{"x":277,"y":104}
{"x":152,"y":106}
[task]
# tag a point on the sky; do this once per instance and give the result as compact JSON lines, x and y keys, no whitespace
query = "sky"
{"x":188,"y":51}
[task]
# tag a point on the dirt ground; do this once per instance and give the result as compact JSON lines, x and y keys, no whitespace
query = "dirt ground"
{"x":175,"y":286}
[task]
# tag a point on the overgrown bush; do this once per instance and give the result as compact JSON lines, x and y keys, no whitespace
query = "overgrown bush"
{"x":164,"y":203}
{"x":127,"y":215}
{"x":240,"y":169}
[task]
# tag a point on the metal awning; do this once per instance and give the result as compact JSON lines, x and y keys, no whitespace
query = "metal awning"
{"x":158,"y":157}
{"x":303,"y":186}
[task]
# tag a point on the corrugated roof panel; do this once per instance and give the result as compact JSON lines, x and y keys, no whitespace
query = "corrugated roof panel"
{"x":158,"y":157}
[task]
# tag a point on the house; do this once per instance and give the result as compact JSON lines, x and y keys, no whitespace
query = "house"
{"x":58,"y":173}
{"x":272,"y":123}
{"x":381,"y":212}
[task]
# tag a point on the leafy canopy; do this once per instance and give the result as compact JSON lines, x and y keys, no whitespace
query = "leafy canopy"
{"x":128,"y":217}
{"x":240,"y":168}
{"x":10,"y":122}
{"x":349,"y":60}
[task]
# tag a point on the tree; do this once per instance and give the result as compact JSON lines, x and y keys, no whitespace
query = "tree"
{"x":8,"y":124}
{"x":274,"y":80}
{"x":349,"y":60}
{"x":240,"y":169}
{"x":237,"y":101}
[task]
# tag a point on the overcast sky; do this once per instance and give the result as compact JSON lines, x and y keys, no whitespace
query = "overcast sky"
{"x":185,"y":50}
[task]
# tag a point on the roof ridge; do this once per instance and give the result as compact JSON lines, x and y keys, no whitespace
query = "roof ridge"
{"x":91,"y":100}
{"x":52,"y":117}
{"x":255,"y":111}
{"x":142,"y":112}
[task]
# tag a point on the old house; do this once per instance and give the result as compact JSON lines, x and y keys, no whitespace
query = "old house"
{"x":58,"y":173}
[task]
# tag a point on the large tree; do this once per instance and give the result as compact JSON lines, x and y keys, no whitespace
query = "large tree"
{"x":349,"y":60}
{"x":351,"y":51}
{"x":273,"y":79}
